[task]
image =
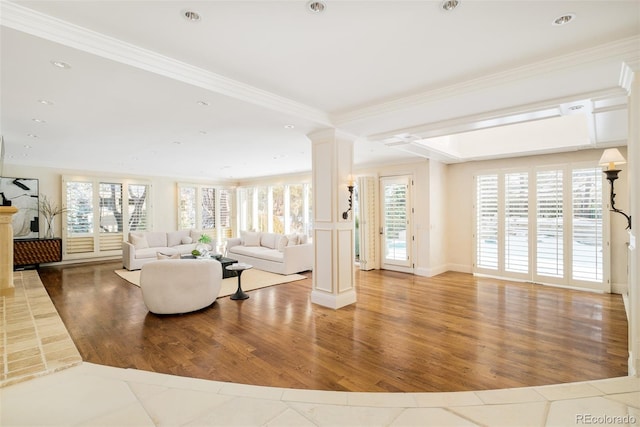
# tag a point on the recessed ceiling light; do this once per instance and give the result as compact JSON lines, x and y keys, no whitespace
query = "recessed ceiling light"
{"x":564,"y":19}
{"x":61,"y":64}
{"x":191,"y":16}
{"x":177,"y":142}
{"x":32,"y":135}
{"x":202,"y":132}
{"x":317,"y":6}
{"x":289,"y":126}
{"x":45,"y":102}
{"x":449,"y":5}
{"x":27,"y":146}
{"x":203,"y":103}
{"x":39,"y":120}
{"x":576,"y":107}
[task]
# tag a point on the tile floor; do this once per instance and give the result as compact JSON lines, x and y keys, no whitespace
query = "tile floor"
{"x":34,"y":339}
{"x":95,"y":395}
{"x":86,"y":394}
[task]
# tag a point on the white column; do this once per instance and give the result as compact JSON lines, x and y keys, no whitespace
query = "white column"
{"x":6,"y":246}
{"x":633,"y":154}
{"x":333,"y":271}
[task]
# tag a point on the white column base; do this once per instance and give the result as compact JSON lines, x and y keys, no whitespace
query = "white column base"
{"x":332,"y":300}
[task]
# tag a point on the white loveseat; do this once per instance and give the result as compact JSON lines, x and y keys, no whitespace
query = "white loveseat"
{"x":144,"y":246}
{"x":276,"y":253}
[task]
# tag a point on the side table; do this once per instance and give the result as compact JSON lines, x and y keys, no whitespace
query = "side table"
{"x":239,"y":268}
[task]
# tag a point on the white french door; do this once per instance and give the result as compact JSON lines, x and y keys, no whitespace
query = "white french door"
{"x":396,"y":237}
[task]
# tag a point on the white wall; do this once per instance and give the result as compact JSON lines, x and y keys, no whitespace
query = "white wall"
{"x":460,"y":189}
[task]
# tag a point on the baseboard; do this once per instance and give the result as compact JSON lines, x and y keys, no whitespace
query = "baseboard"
{"x":333,"y":301}
{"x":430,"y":272}
{"x":460,"y":268}
{"x":620,"y":288}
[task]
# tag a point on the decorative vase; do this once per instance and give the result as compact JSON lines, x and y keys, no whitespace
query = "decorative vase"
{"x":50,"y":232}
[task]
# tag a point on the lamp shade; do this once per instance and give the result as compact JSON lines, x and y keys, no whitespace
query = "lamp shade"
{"x":611,"y":157}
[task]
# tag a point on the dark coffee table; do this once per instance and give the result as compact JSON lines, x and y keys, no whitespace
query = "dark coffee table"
{"x":224,"y":261}
{"x":228,"y":273}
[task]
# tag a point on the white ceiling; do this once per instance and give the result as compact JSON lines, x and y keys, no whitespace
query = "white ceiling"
{"x":404,"y":77}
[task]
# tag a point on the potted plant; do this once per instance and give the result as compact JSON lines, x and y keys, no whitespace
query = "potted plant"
{"x":49,"y":210}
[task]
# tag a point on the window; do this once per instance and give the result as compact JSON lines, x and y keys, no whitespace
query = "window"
{"x":206,"y":208}
{"x":559,"y":241}
{"x":96,"y":221}
{"x":277,"y":209}
{"x":277,"y":196}
{"x":80,"y":208}
{"x":226,"y":213}
{"x":138,"y":213}
{"x":186,"y":208}
{"x":110,"y":207}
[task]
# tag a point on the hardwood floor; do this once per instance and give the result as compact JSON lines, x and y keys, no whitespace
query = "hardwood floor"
{"x":406,"y":333}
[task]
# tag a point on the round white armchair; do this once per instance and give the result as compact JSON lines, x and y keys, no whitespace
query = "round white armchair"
{"x":180,"y":285}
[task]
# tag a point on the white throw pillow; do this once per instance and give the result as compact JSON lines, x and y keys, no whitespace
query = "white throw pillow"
{"x":186,"y":240}
{"x":139,"y":242}
{"x":251,"y":238}
{"x":282,"y":242}
{"x":302,"y":239}
{"x":195,"y":235}
{"x":164,"y":256}
{"x":268,"y":240}
{"x":292,"y":239}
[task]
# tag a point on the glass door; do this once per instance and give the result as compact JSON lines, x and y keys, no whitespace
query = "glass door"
{"x":396,"y":236}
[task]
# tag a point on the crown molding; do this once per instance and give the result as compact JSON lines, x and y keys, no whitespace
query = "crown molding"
{"x":626,"y":76}
{"x":47,"y":27}
{"x":625,"y":50}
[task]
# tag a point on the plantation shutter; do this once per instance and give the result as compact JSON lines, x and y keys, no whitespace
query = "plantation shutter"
{"x":550,"y":224}
{"x":110,"y":216}
{"x":587,"y":224}
{"x":225,"y":214}
{"x":368,"y":231}
{"x":516,"y":256}
{"x":487,"y":222}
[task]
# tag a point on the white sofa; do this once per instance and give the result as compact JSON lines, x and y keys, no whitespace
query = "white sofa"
{"x":276,"y":253}
{"x":144,"y":246}
{"x":180,"y":286}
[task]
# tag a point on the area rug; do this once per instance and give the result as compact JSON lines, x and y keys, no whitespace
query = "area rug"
{"x":251,"y":279}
